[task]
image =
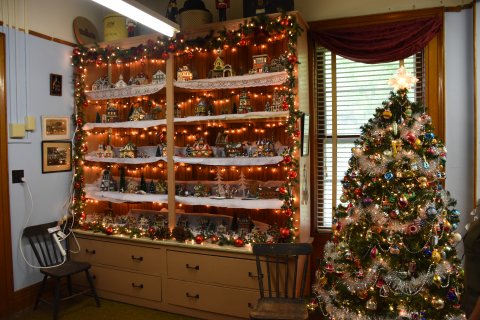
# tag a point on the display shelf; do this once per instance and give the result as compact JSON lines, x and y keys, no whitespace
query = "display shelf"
{"x":125,"y":160}
{"x":258,"y":115}
{"x":125,"y":92}
{"x":238,"y":161}
{"x":234,"y":203}
{"x":126,"y":124}
{"x":93,"y":192}
{"x":235,"y":82}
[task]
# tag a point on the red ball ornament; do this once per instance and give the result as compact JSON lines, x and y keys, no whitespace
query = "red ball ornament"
{"x":292,"y":59}
{"x":199,"y":239}
{"x":292,"y":174}
{"x":284,"y":22}
{"x":297,"y":133}
{"x":411,"y":137}
{"x":79,"y":121}
{"x":242,"y":42}
{"x":99,"y":61}
{"x":358,"y":192}
{"x":151,"y":230}
{"x":190,"y":55}
{"x":238,"y":242}
{"x":76,"y":51}
{"x":171,"y":47}
{"x":287,"y":158}
{"x":109,"y":230}
{"x":285,"y":106}
{"x":214,"y":239}
{"x":284,"y":233}
{"x":282,"y":190}
{"x":288,"y":212}
{"x":164,"y":55}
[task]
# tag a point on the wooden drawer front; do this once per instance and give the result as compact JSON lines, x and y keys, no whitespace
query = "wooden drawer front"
{"x":237,"y":302}
{"x":212,"y":269}
{"x":128,"y":283}
{"x":120,"y":255}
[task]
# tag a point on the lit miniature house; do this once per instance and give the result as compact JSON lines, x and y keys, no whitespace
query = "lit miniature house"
{"x":137,"y":114}
{"x":244,"y":103}
{"x":220,"y":69}
{"x":177,"y":111}
{"x":244,"y":225}
{"x":184,"y":74}
{"x":108,"y":153}
{"x":101,"y":84}
{"x":201,"y":108}
{"x":140,"y":79}
{"x":111,"y":113}
{"x":259,"y":61}
{"x":107,"y":183}
{"x":158,"y":77}
{"x":128,"y":151}
{"x":157,"y":112}
{"x":120,"y":83}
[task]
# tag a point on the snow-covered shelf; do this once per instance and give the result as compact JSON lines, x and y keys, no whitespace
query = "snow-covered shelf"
{"x":235,"y":203}
{"x":239,"y":161}
{"x":126,"y":124}
{"x":125,"y":92}
{"x":126,"y":160}
{"x":94,"y":193}
{"x":258,"y":115}
{"x":245,"y":81}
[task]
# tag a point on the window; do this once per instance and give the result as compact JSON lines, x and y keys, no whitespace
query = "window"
{"x":359,"y":89}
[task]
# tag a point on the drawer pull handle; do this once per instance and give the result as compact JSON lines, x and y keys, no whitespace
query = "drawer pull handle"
{"x":90,"y":251}
{"x":197,"y":267}
{"x":137,"y":285}
{"x":252,"y":275}
{"x":250,"y":305}
{"x":137,"y":258}
{"x":195,"y":296}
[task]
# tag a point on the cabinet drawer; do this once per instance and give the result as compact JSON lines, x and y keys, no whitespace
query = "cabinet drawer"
{"x":137,"y":258}
{"x":237,"y":302}
{"x":125,"y":283}
{"x":212,"y":269}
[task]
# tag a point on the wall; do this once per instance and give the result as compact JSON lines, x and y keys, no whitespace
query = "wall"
{"x":459,"y":110}
{"x":49,"y":192}
{"x":43,"y":57}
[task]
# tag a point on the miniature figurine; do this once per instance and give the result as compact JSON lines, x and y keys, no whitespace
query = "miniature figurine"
{"x":222,"y":6}
{"x":172,"y":10}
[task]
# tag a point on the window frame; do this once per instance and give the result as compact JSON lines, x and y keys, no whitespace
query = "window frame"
{"x":434,"y":88}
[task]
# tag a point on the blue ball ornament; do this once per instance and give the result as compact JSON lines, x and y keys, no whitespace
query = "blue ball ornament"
{"x":454,"y":226}
{"x":456,"y":212}
{"x":429,"y":136}
{"x":388,"y":176}
{"x":427,"y":252}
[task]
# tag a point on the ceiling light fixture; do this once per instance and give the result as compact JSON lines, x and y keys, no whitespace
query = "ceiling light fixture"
{"x":142,"y":14}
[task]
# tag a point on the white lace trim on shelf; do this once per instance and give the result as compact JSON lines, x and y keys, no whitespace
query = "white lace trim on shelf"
{"x":126,"y":160}
{"x":93,"y":192}
{"x":239,"y":161}
{"x":245,"y":81}
{"x":231,"y":203}
{"x":125,"y":92}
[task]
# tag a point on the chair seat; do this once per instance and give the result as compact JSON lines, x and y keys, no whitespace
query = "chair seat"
{"x":66,"y":269}
{"x":280,"y":308}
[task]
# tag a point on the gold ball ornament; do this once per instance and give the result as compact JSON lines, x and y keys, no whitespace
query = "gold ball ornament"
{"x":436,"y":256}
{"x":422,"y":182}
{"x":322,"y":280}
{"x":387,"y":114}
{"x":371,"y":304}
{"x":362,"y":294}
{"x":438,"y":303}
{"x":437,"y":280}
{"x":434,"y":141}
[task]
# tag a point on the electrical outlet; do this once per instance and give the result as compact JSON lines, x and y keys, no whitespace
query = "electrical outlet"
{"x":17,"y":176}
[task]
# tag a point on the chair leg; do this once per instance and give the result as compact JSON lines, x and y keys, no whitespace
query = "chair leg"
{"x":56,"y":301}
{"x":92,"y":287}
{"x":69,"y":285}
{"x":40,"y":292}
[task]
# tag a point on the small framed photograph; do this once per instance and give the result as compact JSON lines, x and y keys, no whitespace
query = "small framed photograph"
{"x":56,"y":156}
{"x":305,"y":143}
{"x":55,"y":84}
{"x":55,"y":128}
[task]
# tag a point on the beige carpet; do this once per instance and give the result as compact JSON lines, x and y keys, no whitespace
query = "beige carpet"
{"x":84,"y":308}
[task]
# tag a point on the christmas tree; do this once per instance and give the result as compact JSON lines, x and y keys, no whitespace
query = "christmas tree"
{"x":392,"y":254}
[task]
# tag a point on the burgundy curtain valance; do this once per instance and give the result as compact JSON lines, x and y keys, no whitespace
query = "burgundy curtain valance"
{"x":383,"y":42}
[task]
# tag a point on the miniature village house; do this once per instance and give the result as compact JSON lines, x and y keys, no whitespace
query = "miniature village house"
{"x":158,"y":77}
{"x":128,"y":151}
{"x":259,"y":62}
{"x":184,"y":74}
{"x":111,"y":113}
{"x":220,"y":69}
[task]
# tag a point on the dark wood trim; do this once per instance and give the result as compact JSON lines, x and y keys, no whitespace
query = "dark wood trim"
{"x":6,"y":264}
{"x":459,"y":8}
{"x":46,"y":37}
{"x":25,"y":298}
{"x":374,"y":19}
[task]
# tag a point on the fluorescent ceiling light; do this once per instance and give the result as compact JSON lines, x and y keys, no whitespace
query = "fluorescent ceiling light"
{"x":142,"y":14}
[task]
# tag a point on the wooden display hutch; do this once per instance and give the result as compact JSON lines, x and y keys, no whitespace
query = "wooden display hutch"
{"x":218,"y":146}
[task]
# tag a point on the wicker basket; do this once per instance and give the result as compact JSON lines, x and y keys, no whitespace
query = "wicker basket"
{"x":193,"y":18}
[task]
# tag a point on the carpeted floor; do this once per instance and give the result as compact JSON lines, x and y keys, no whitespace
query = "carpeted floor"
{"x":84,"y":308}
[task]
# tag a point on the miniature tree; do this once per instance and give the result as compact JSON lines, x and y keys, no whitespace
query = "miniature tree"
{"x":242,"y":184}
{"x":143,"y":184}
{"x":392,"y":255}
{"x":151,"y":187}
{"x":219,"y":180}
{"x":122,"y":183}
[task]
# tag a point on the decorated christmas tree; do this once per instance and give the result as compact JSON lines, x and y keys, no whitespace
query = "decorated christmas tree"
{"x":392,"y":254}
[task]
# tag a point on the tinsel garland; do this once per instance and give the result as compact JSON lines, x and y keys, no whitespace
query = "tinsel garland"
{"x":276,"y":28}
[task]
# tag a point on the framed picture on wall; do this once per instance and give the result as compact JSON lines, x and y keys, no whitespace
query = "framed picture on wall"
{"x":55,"y":127}
{"x":56,"y":156}
{"x":55,"y":84}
